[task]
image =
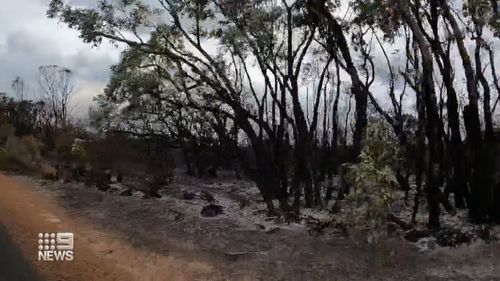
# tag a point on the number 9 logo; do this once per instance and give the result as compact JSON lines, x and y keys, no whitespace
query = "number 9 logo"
{"x":64,"y":241}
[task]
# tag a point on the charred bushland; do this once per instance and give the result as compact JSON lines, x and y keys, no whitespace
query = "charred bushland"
{"x":292,"y":87}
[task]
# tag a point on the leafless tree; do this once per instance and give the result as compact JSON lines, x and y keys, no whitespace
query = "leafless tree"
{"x":56,"y":89}
{"x":19,"y":87}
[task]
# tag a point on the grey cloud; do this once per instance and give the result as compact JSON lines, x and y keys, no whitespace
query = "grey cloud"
{"x":26,"y":52}
{"x":90,"y":66}
{"x":28,"y":39}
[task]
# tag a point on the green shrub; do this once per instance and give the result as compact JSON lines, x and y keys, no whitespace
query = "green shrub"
{"x":78,"y":149}
{"x":374,"y":180}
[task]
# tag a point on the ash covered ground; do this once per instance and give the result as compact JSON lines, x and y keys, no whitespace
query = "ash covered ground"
{"x":242,"y":243}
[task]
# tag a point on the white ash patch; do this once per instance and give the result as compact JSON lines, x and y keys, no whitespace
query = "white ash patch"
{"x":320,"y":214}
{"x":426,"y":244}
{"x":117,"y":188}
{"x":138,"y":194}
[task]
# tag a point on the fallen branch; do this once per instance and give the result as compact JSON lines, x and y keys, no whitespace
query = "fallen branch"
{"x":243,"y":253}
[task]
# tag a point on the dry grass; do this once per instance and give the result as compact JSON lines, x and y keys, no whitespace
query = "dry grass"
{"x":23,"y":152}
{"x":6,"y":131}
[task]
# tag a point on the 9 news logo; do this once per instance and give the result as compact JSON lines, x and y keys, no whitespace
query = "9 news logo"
{"x":55,"y":246}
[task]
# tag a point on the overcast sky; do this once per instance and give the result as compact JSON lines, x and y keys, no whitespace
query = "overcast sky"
{"x":29,"y":39}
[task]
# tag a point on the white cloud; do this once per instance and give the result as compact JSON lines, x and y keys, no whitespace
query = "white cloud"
{"x":29,"y":39}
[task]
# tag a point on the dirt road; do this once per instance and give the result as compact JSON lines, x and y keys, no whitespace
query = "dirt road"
{"x":98,"y":255}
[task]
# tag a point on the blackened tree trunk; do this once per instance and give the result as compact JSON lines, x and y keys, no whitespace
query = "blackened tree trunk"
{"x":420,"y":152}
{"x":336,"y":41}
{"x":479,"y":193}
{"x":266,"y":175}
{"x":281,"y":145}
{"x":303,"y":143}
{"x":479,"y":199}
{"x":488,"y":122}
{"x":335,"y":134}
{"x":455,"y":149}
{"x":433,"y":131}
